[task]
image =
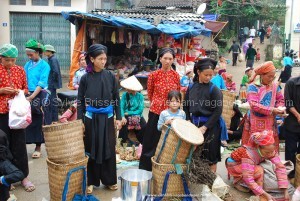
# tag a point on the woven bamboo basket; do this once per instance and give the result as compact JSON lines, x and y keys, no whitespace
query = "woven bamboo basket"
{"x":228,"y":101}
{"x":297,"y":171}
{"x":159,"y":171}
{"x":64,"y":142}
{"x":181,"y":129}
{"x":57,"y":174}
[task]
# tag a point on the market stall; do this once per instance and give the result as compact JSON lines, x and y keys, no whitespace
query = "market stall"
{"x":134,"y":36}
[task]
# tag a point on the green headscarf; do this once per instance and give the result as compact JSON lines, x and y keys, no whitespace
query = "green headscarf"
{"x":9,"y":50}
{"x":34,"y":45}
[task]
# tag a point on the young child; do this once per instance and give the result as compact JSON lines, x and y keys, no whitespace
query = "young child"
{"x":257,"y":54}
{"x":230,"y":84}
{"x":168,"y":115}
{"x":244,"y":84}
{"x":8,"y":172}
{"x":186,"y":80}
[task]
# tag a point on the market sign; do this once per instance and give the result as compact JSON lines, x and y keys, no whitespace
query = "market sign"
{"x":297,"y":28}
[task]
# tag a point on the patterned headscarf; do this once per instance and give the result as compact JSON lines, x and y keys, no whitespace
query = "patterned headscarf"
{"x":9,"y":50}
{"x":34,"y":45}
{"x":263,"y":138}
{"x":263,"y":69}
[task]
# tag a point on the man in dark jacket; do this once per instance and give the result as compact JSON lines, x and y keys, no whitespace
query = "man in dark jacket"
{"x":54,"y":83}
{"x":235,"y":48}
{"x":292,"y":122}
{"x":262,"y":33}
{"x":251,"y":53}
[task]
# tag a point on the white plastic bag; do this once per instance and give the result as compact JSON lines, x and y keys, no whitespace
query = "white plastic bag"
{"x":241,"y":57}
{"x":19,"y":112}
{"x":220,"y":188}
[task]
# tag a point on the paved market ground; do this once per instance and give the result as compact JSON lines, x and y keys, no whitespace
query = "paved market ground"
{"x":38,"y":167}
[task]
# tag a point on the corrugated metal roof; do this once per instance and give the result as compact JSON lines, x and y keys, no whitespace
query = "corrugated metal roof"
{"x":170,"y":3}
{"x":150,"y":14}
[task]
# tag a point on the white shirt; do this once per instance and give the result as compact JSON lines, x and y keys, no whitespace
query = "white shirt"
{"x":252,"y":32}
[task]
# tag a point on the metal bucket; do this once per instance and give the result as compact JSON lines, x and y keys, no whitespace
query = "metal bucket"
{"x":135,"y":184}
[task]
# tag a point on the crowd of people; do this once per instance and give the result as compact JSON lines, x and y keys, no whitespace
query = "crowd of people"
{"x":102,"y":111}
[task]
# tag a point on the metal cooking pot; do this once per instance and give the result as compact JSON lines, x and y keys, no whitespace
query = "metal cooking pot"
{"x":135,"y":184}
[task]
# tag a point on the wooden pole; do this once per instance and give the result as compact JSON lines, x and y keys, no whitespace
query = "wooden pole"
{"x":83,"y":48}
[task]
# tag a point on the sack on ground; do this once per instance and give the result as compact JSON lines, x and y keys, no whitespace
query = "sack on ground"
{"x":220,"y":188}
{"x":19,"y":112}
{"x":241,"y":57}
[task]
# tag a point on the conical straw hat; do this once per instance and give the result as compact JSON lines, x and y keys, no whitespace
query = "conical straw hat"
{"x":132,"y":83}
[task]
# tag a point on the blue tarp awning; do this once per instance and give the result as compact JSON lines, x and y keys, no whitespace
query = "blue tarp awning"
{"x":176,"y":29}
{"x":210,"y":17}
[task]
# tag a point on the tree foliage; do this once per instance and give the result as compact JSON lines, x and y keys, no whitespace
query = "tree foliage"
{"x":250,"y":9}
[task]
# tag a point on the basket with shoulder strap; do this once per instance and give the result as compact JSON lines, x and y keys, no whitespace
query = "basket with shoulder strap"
{"x":177,"y":142}
{"x":77,"y":197}
{"x":174,"y":183}
{"x":228,"y":102}
{"x":57,"y":175}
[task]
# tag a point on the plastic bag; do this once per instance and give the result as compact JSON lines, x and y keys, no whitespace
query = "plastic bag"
{"x":220,"y":188}
{"x":241,"y":57}
{"x":19,"y":112}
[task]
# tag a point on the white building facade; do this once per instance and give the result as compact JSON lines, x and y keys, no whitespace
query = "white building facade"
{"x":292,"y":24}
{"x":41,"y":20}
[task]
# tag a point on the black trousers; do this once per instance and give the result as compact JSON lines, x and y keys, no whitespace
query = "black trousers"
{"x":150,"y":141}
{"x":234,"y":58}
{"x":292,"y":147}
{"x":53,"y":105}
{"x":107,"y":171}
{"x":17,"y":144}
{"x":123,"y":133}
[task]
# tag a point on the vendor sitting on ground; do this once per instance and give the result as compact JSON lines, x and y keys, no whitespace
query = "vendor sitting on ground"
{"x":132,"y":106}
{"x":236,"y":126}
{"x":9,"y":173}
{"x":244,"y":165}
{"x":80,"y":72}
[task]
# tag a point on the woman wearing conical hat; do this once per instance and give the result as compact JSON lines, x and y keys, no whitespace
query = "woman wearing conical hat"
{"x":132,"y":106}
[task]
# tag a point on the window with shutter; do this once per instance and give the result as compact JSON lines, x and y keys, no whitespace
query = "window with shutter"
{"x":17,"y":2}
{"x":40,"y":2}
{"x":66,"y":3}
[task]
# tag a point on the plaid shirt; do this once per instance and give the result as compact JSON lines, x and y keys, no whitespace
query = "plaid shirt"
{"x":14,"y":77}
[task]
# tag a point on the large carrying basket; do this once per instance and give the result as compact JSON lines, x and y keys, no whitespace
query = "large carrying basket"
{"x":64,"y":142}
{"x":175,"y":185}
{"x":57,"y":175}
{"x":228,"y":101}
{"x":178,"y":142}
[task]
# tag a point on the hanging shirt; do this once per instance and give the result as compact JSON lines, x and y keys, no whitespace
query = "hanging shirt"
{"x":15,"y":77}
{"x":37,"y":74}
{"x":160,"y":83}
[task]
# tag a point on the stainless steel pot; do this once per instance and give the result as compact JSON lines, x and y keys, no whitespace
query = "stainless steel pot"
{"x":135,"y":184}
